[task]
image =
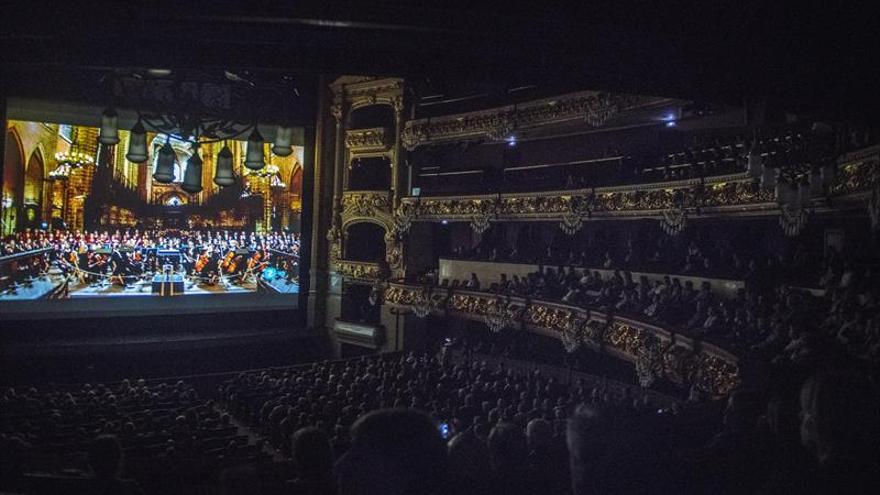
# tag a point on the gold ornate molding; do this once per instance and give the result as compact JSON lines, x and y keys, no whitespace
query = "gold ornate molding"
{"x":373,"y":140}
{"x":593,"y":107}
{"x":857,"y":172}
{"x":366,"y":203}
{"x":359,"y":270}
{"x":654,"y":350}
{"x":737,"y":192}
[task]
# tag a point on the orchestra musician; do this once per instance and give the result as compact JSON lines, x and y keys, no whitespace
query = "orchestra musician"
{"x":255,"y":265}
{"x":96,"y":266}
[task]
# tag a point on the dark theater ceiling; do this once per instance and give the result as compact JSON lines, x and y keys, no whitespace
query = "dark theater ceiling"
{"x":818,"y":61}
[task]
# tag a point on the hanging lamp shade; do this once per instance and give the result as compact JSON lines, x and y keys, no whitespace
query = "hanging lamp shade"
{"x":254,"y":157}
{"x":192,"y":177}
{"x":283,"y":137}
{"x":164,"y":173}
{"x":224,"y":175}
{"x":137,"y":144}
{"x":109,"y":127}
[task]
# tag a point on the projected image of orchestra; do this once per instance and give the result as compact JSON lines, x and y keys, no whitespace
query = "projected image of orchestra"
{"x":81,"y":220}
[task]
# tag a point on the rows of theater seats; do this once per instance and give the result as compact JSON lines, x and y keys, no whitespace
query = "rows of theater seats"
{"x":172,"y":439}
{"x":354,"y":426}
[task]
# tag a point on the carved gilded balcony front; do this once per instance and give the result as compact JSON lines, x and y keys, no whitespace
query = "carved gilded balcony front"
{"x":593,"y":108}
{"x":366,"y":204}
{"x":358,"y":270}
{"x":656,"y":351}
{"x":368,"y":141}
{"x":734,"y":193}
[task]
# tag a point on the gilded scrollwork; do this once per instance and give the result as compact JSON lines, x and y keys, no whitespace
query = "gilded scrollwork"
{"x":334,"y":238}
{"x":371,"y":140}
{"x":642,"y":200}
{"x":594,"y":108}
{"x":654,"y":351}
{"x":358,"y":270}
{"x":856,"y":176}
{"x":365,"y":204}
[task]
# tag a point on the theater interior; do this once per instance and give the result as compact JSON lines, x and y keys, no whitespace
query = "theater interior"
{"x":333,"y":247}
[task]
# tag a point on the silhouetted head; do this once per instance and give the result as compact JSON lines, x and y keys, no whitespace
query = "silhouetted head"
{"x":507,"y":448}
{"x":393,"y":451}
{"x":105,"y":456}
{"x":312,"y":454}
{"x":839,"y":415}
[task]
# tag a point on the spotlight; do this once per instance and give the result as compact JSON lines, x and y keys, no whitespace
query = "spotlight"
{"x":444,"y":222}
{"x":511,"y":140}
{"x":671,"y":123}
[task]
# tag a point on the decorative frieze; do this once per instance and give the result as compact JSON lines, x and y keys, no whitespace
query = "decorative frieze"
{"x":373,"y":140}
{"x":644,"y":200}
{"x":594,"y":108}
{"x":359,"y":270}
{"x":365,"y":203}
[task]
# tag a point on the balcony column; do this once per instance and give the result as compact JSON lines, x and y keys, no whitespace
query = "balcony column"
{"x":338,"y":112}
{"x":398,"y":174}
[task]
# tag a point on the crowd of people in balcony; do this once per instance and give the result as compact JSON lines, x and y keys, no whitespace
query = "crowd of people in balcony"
{"x":781,"y":323}
{"x":695,"y":252}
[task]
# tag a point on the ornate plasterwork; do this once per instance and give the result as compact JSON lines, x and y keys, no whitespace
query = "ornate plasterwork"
{"x":857,"y":172}
{"x":373,"y":140}
{"x":334,"y":238}
{"x":656,"y":352}
{"x":738,"y":192}
{"x":365,"y":203}
{"x":358,"y":270}
{"x":593,"y":107}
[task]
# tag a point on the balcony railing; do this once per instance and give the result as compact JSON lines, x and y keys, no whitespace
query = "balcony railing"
{"x":737,"y":192}
{"x":373,"y":140}
{"x":656,"y":351}
{"x":358,"y":270}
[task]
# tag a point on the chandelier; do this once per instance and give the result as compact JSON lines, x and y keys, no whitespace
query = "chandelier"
{"x":403,"y":218}
{"x":273,"y":174}
{"x":498,"y":316}
{"x":482,"y":220}
{"x":798,"y":168}
{"x":75,"y":157}
{"x":599,"y":109}
{"x":579,"y":208}
{"x":673,"y":221}
{"x":197,"y":112}
{"x":573,"y":335}
{"x":61,"y":172}
{"x":649,"y":364}
{"x":421,"y":306}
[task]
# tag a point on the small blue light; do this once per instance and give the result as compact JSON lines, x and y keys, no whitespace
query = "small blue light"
{"x":44,"y":225}
{"x":511,"y":140}
{"x":444,"y":222}
{"x":671,"y":123}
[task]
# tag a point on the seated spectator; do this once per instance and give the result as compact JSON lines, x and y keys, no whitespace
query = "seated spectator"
{"x":106,"y":460}
{"x":509,"y":456}
{"x":313,"y":457}
{"x":839,"y":425}
{"x":393,"y":452}
{"x":469,"y":468}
